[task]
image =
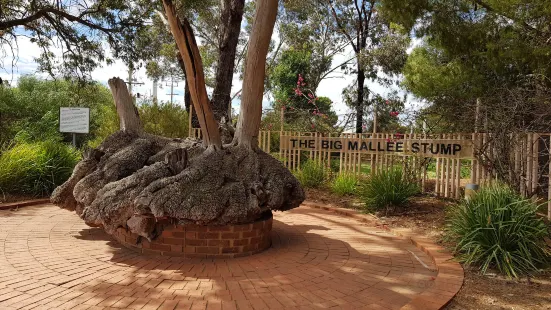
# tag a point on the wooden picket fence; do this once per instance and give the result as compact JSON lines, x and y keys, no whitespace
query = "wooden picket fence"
{"x":528,"y":161}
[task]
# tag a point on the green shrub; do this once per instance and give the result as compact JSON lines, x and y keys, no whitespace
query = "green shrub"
{"x":312,"y":174}
{"x":498,"y":229}
{"x":386,"y":189}
{"x":36,"y":168}
{"x":344,"y":184}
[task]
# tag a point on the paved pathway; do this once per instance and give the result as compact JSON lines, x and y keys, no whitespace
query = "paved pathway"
{"x":49,"y":259}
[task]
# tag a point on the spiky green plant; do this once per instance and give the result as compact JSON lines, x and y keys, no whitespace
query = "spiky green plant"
{"x":312,"y":174}
{"x":386,"y":189}
{"x":36,"y":168}
{"x":498,"y":229}
{"x":344,"y":184}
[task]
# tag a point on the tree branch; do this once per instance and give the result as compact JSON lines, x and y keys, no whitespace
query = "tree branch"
{"x":341,"y":27}
{"x":43,"y":12}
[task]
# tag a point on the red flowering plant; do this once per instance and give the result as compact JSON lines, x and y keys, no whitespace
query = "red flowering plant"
{"x":388,"y":114}
{"x":304,"y":110}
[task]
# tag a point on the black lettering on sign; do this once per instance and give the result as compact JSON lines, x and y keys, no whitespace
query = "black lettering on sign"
{"x":371,"y":148}
{"x":303,"y":143}
{"x":379,"y":148}
{"x":311,"y":144}
{"x":445,"y":149}
{"x":415,"y":147}
{"x":389,"y":146}
{"x":425,"y":147}
{"x":324,"y":144}
{"x":294,"y":142}
{"x":399,"y":146}
{"x":433,"y":150}
{"x":456,"y":148}
{"x":353,"y":145}
{"x":338,"y":145}
{"x":364,"y":146}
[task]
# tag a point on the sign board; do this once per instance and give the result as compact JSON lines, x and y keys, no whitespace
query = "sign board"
{"x":74,"y":120}
{"x":441,"y":148}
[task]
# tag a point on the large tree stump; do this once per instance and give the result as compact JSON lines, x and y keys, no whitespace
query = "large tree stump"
{"x":134,"y":180}
{"x":138,"y":181}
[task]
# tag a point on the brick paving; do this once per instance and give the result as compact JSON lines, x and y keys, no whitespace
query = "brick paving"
{"x":49,"y":259}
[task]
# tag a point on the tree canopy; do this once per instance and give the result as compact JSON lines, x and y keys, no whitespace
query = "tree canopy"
{"x":83,"y":30}
{"x":496,"y":52}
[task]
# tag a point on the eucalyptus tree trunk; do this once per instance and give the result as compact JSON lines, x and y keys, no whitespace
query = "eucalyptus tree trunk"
{"x":248,"y":125}
{"x":230,"y":27}
{"x":185,"y":41}
{"x":360,"y":100}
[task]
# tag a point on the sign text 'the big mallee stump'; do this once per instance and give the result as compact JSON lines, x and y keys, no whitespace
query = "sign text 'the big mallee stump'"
{"x":451,"y":148}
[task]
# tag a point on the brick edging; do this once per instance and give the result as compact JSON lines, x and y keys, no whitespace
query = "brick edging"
{"x":200,"y":241}
{"x":25,"y":203}
{"x":450,"y":275}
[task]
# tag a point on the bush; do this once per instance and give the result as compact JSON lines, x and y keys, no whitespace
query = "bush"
{"x":386,"y":189}
{"x":498,"y":229}
{"x":36,"y":168}
{"x":344,"y":184}
{"x":312,"y":174}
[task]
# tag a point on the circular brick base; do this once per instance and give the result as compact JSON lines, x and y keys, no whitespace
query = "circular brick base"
{"x":196,"y":241}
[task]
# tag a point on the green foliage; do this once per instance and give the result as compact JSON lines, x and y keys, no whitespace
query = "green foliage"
{"x":344,"y":184}
{"x":36,"y":168}
{"x":498,"y":229}
{"x":312,"y":174}
{"x":84,"y":30}
{"x":303,"y":111}
{"x":468,"y":53}
{"x":164,"y":119}
{"x":29,"y":112}
{"x":386,"y":189}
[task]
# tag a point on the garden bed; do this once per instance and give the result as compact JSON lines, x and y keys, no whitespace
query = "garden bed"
{"x":425,"y":215}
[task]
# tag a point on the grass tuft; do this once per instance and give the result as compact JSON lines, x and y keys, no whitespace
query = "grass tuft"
{"x":498,"y":229}
{"x":312,"y":174}
{"x":344,"y":184}
{"x":387,"y":189}
{"x":36,"y":168}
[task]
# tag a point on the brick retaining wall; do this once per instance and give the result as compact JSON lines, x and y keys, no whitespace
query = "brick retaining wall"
{"x":196,"y":241}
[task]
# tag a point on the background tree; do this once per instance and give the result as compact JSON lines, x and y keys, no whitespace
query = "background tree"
{"x":78,"y":28}
{"x":378,"y":46}
{"x":30,"y":111}
{"x":493,"y":51}
{"x":483,"y":65}
{"x":289,"y":80}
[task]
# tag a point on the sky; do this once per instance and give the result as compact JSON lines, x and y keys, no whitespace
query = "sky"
{"x":331,"y":87}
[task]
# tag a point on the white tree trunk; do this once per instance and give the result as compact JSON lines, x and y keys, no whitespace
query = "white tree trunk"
{"x":255,"y":71}
{"x":187,"y":46}
{"x":128,"y":114}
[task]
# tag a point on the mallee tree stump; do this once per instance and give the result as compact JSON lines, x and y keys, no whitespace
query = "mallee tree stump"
{"x":137,"y":185}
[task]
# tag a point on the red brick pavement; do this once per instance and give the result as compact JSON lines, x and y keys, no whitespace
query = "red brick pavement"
{"x":49,"y":259}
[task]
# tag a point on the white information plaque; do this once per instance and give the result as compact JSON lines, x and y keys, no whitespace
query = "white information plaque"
{"x":74,"y":120}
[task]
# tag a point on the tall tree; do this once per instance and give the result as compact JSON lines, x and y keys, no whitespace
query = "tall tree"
{"x":306,"y":26}
{"x":377,"y":44}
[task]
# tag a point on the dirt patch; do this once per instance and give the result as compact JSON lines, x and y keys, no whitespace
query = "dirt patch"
{"x":326,"y":197}
{"x":425,"y":215}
